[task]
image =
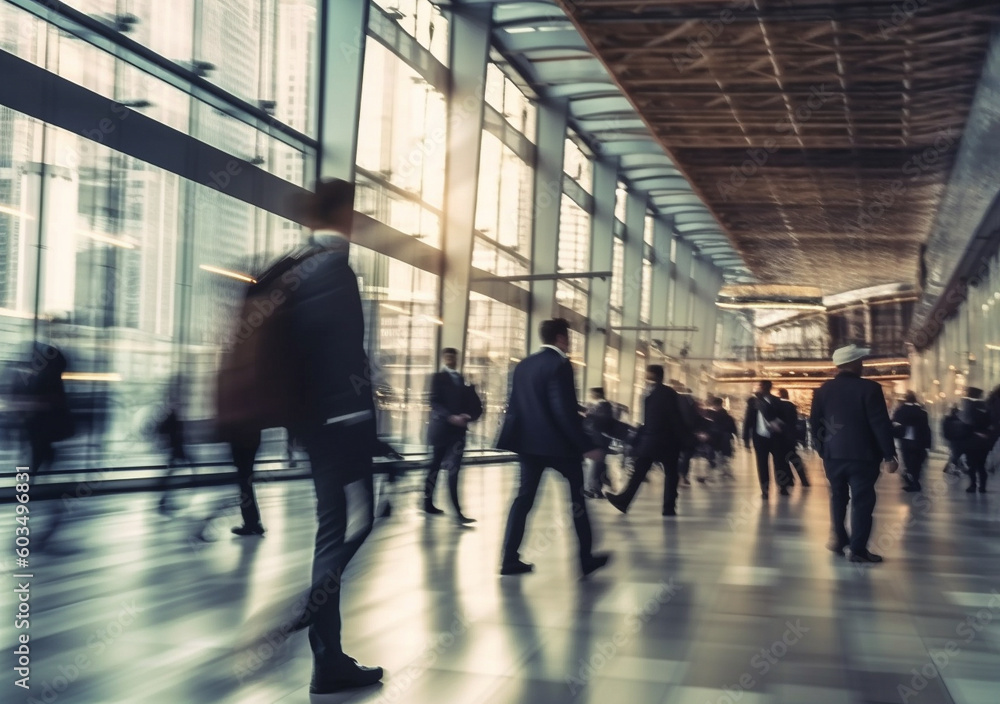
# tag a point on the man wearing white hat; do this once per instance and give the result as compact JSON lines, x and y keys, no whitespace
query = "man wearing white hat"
{"x":853,"y":434}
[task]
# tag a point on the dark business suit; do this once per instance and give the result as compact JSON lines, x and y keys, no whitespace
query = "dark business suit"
{"x":339,"y":434}
{"x":788,"y":414}
{"x":853,"y":434}
{"x":543,"y":426}
{"x":692,"y":420}
{"x":449,"y":396}
{"x":765,"y":446}
{"x":663,"y":433}
{"x":975,"y":439}
{"x":914,"y":431}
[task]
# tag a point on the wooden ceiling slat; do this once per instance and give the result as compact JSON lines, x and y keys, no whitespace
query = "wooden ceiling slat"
{"x":875,"y":105}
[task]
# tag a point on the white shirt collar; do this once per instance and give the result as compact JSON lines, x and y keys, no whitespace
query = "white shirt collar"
{"x":553,"y":347}
{"x":445,"y":368}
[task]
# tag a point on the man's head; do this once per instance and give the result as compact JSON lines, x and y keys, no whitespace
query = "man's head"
{"x":449,"y":357}
{"x":974,"y":392}
{"x":597,"y":393}
{"x":910,"y":397}
{"x":783,"y":393}
{"x":556,"y":332}
{"x":654,"y":374}
{"x":763,"y":388}
{"x":331,"y":207}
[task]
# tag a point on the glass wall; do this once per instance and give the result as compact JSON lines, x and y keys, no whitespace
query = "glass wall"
{"x":402,"y":144}
{"x":129,"y":270}
{"x":574,"y":255}
{"x":134,"y":269}
{"x":503,"y":211}
{"x":966,"y":351}
{"x":496,"y":342}
{"x":401,"y":319}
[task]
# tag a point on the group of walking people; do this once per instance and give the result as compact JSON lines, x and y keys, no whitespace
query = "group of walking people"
{"x":329,"y":407}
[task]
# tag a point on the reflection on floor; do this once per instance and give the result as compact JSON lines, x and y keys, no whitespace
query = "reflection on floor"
{"x":730,"y":602}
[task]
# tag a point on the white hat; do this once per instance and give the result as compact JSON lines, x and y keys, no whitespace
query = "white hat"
{"x":846,"y":355}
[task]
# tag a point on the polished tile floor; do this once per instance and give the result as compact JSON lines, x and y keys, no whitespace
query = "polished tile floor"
{"x":730,"y":602}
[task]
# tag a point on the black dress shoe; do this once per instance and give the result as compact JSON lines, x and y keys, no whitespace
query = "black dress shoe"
{"x":516,"y":567}
{"x":834,"y":545}
{"x":865,"y":557}
{"x":249,"y":530}
{"x":594,"y":563}
{"x":350,"y":675}
{"x":982,"y":490}
{"x":671,"y":511}
{"x":784,"y":491}
{"x":971,"y":489}
{"x":764,"y":496}
{"x":432,"y":509}
{"x":464,"y":520}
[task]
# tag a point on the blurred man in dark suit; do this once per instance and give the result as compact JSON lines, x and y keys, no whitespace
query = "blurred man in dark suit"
{"x":338,"y":426}
{"x":660,"y":439}
{"x":598,"y":423}
{"x":453,"y":406}
{"x":853,"y":434}
{"x":544,"y":427}
{"x":762,"y":424}
{"x":911,"y":425}
{"x":788,"y":414}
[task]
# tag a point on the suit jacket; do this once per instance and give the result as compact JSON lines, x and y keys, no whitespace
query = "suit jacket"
{"x":543,"y":415}
{"x":328,"y":321}
{"x":448,"y":397}
{"x":769,"y":409}
{"x":912,"y":415}
{"x":721,"y":429}
{"x":664,"y":429}
{"x":850,"y":421}
{"x":599,"y":423}
{"x":788,"y":414}
{"x":974,"y":429}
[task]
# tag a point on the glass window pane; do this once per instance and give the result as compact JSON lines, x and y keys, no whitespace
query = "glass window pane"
{"x":401,"y":320}
{"x":496,"y":342}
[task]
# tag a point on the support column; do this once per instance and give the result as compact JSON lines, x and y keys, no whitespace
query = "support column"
{"x":708,"y":281}
{"x":635,"y":221}
{"x":470,"y":45}
{"x":602,"y":223}
{"x":682,"y":296}
{"x":659,"y":313}
{"x":551,"y":143}
{"x":342,"y":30}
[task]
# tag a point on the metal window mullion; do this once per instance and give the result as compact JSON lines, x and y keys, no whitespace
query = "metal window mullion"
{"x":95,"y":33}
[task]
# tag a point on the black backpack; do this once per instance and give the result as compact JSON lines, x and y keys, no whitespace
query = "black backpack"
{"x":259,"y":385}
